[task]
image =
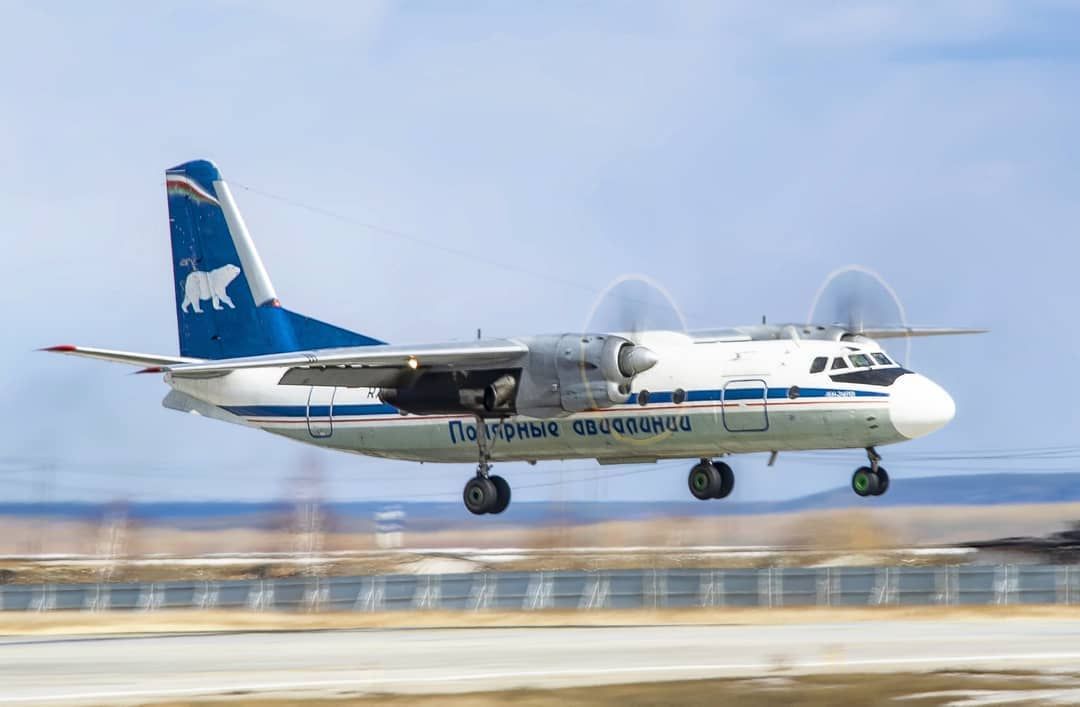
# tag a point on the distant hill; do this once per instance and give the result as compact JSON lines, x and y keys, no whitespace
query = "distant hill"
{"x":960,"y":489}
{"x":963,"y":490}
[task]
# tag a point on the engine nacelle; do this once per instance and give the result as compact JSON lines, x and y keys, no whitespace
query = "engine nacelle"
{"x":562,"y":374}
{"x":577,"y":372}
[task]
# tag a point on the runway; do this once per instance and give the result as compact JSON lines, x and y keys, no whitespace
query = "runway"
{"x":117,"y":670}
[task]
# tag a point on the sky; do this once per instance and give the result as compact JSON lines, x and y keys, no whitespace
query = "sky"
{"x":417,"y":170}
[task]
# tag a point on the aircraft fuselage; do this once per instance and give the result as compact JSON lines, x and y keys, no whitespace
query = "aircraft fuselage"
{"x":704,"y":399}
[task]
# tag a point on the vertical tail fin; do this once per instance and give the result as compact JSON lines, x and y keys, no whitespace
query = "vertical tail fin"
{"x":226,"y":305}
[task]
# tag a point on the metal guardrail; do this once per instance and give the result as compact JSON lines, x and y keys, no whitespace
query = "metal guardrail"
{"x":628,"y":589}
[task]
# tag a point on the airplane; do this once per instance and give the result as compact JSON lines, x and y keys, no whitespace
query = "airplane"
{"x":616,"y":397}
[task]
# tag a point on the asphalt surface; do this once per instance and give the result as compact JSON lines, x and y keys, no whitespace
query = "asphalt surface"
{"x":119,"y":670}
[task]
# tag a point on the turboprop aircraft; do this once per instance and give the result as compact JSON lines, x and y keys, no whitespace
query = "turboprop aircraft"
{"x":617,"y":397}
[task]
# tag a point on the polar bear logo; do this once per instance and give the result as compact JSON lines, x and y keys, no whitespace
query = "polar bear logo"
{"x":211,"y":285}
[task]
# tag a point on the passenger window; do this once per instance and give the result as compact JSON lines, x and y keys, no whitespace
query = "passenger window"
{"x":819,"y":364}
{"x":882,"y":359}
{"x":838,"y":363}
{"x":860,"y":360}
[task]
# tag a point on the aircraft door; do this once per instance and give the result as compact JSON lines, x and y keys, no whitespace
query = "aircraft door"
{"x":746,"y":406}
{"x":320,"y":411}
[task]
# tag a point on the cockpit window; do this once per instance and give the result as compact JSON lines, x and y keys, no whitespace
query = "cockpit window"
{"x":882,"y":359}
{"x":818,"y":364}
{"x":838,"y":363}
{"x":861,"y":361}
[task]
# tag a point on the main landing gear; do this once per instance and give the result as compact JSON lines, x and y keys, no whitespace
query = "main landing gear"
{"x":870,"y":480}
{"x":485,"y":493}
{"x":711,"y":479}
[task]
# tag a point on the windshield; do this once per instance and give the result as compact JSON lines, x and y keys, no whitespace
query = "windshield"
{"x":861,"y":361}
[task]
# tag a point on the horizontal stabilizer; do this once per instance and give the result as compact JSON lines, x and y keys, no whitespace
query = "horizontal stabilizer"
{"x":129,"y":357}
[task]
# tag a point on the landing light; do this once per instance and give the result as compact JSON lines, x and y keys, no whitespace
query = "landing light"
{"x":413,"y":363}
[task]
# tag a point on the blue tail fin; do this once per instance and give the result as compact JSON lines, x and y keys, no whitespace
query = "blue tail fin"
{"x":225,"y":304}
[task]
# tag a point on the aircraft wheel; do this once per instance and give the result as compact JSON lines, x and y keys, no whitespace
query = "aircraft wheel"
{"x":502,"y":494}
{"x":704,"y":481}
{"x":864,"y":482}
{"x":883,"y":481}
{"x":727,"y":479}
{"x":481,"y":495}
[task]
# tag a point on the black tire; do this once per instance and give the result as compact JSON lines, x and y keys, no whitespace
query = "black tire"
{"x":864,"y":482}
{"x":502,"y":494}
{"x":479,"y":495}
{"x":727,"y":479}
{"x":883,"y":481}
{"x":704,"y":481}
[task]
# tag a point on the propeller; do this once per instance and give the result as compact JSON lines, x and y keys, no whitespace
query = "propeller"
{"x":860,"y":300}
{"x":633,"y":304}
{"x":630,"y":306}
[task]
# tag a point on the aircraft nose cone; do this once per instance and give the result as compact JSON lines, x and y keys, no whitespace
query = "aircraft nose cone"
{"x":918,"y":406}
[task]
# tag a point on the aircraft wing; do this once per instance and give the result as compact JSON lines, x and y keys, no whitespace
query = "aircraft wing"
{"x":906,"y":332}
{"x":833,"y":332}
{"x":128,"y":357}
{"x":363,"y":366}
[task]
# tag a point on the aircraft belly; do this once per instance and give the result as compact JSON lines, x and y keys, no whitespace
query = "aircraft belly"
{"x":818,"y":428}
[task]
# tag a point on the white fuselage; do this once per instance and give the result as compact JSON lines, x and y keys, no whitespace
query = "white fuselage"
{"x":704,"y":399}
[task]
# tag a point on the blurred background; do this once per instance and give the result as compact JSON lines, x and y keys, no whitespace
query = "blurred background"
{"x":400,"y":162}
{"x":417,"y":171}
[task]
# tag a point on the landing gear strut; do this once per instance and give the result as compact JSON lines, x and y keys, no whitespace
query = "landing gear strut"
{"x":485,"y":493}
{"x":710,"y":479}
{"x":870,"y":480}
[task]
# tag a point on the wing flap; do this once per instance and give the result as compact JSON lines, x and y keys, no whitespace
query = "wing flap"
{"x":454,"y":356}
{"x":129,"y":357}
{"x":348,"y":376}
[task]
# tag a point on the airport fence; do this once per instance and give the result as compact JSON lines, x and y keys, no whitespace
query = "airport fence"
{"x":616,"y":589}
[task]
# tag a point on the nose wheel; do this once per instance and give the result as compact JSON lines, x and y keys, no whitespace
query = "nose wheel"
{"x":870,"y":480}
{"x":710,"y":479}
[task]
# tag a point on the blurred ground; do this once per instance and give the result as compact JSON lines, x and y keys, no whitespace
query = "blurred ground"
{"x":963,"y":689}
{"x":924,"y":657}
{"x":838,"y":537}
{"x":461,"y":560}
{"x":872,"y":527}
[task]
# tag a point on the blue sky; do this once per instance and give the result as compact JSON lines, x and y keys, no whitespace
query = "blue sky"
{"x":737,"y":153}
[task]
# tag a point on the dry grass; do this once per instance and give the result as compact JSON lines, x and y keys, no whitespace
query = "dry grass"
{"x":847,"y":528}
{"x":835,"y":537}
{"x":918,"y":689}
{"x":196,"y":621}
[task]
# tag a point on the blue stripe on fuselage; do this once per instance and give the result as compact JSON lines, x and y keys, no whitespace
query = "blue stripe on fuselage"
{"x":316,"y":410}
{"x":654,"y":398}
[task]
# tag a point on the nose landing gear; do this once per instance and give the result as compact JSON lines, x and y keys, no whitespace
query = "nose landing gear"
{"x":711,"y":479}
{"x":870,"y":480}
